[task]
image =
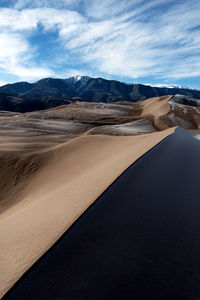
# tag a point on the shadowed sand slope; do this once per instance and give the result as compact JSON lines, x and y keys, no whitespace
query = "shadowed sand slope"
{"x":66,"y":181}
{"x":140,"y":240}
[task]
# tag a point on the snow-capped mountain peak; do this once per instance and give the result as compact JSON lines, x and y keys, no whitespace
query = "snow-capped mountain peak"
{"x":78,"y":78}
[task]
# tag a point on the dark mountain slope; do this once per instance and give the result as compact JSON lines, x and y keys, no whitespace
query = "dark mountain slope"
{"x":10,"y":102}
{"x":18,"y":88}
{"x":50,"y":92}
{"x":38,"y":102}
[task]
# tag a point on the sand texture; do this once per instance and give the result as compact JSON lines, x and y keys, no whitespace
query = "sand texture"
{"x":55,"y":163}
{"x":139,"y":241}
{"x":147,"y":119}
{"x":66,"y":181}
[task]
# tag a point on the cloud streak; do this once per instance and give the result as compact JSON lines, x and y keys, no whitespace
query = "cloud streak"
{"x":119,"y":38}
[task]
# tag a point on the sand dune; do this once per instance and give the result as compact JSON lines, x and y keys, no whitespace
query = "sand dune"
{"x":132,"y":128}
{"x":93,"y":113}
{"x":185,"y":116}
{"x":70,"y":121}
{"x":55,"y":163}
{"x":156,"y":108}
{"x":30,"y":133}
{"x":139,"y":241}
{"x":147,"y":119}
{"x":67,"y":179}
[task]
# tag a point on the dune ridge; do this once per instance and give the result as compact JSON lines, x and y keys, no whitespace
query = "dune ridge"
{"x":139,"y":241}
{"x":74,"y":174}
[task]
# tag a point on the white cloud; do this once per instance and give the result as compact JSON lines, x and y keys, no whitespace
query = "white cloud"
{"x":165,"y":85}
{"x":21,"y":4}
{"x":75,"y":72}
{"x":106,"y":9}
{"x":15,"y":53}
{"x":122,"y":38}
{"x":13,"y":20}
{"x":30,"y":18}
{"x":126,"y":45}
{"x":26,"y":73}
{"x":2,"y":83}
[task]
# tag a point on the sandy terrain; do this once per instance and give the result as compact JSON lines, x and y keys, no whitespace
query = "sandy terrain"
{"x":132,"y":128}
{"x":64,"y":181}
{"x":150,"y":111}
{"x":139,"y":241}
{"x":94,"y":113}
{"x":185,"y":116}
{"x":72,"y":120}
{"x":55,"y":163}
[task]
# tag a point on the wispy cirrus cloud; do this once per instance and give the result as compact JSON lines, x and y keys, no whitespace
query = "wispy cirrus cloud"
{"x":112,"y":38}
{"x":16,"y":58}
{"x":21,"y":4}
{"x":17,"y":55}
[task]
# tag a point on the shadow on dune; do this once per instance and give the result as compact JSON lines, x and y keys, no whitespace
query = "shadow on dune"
{"x":140,"y":240}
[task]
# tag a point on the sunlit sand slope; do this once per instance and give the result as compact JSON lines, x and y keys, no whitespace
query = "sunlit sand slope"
{"x":57,"y":185}
{"x":140,"y":240}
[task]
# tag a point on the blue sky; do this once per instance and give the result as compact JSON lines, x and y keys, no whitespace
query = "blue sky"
{"x":153,"y":42}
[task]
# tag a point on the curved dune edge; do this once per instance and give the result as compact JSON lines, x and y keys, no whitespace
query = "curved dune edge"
{"x":152,"y":110}
{"x":156,"y":107}
{"x":73,"y":179}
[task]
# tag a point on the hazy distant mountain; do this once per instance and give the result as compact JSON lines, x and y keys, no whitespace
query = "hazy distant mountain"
{"x":10,"y":102}
{"x":50,"y":92}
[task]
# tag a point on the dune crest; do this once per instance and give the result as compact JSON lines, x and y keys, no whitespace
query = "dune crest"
{"x":75,"y":174}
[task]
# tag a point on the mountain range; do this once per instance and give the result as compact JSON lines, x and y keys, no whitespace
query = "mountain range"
{"x":51,"y":92}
